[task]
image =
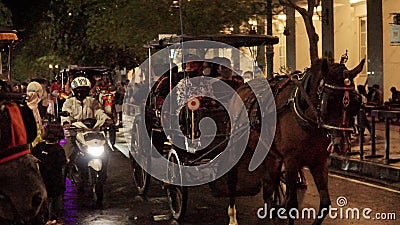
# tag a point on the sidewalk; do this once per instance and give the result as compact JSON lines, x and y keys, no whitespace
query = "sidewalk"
{"x":372,"y":168}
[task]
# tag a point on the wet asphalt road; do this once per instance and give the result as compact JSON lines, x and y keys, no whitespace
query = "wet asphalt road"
{"x":123,"y":206}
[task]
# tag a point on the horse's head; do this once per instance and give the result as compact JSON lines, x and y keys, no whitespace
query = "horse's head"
{"x":22,"y":191}
{"x":339,"y":103}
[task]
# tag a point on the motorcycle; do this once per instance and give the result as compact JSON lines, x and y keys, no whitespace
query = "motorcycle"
{"x":89,"y":161}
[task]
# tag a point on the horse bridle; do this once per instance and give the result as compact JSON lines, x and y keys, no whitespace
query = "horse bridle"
{"x":323,"y":96}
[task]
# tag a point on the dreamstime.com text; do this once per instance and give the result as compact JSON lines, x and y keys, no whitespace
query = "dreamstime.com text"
{"x":341,"y":212}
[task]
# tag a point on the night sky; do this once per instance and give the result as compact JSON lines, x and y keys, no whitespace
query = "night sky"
{"x":26,"y":12}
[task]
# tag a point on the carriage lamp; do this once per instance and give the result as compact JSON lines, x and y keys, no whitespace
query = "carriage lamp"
{"x":193,"y":104}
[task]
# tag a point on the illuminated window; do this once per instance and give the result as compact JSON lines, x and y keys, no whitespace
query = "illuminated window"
{"x":282,"y":50}
{"x":363,"y":42}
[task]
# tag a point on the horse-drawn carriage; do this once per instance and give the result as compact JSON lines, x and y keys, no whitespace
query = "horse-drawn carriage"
{"x":173,"y":136}
{"x":251,"y":139}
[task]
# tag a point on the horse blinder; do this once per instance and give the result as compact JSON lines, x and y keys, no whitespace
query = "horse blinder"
{"x":338,"y":133}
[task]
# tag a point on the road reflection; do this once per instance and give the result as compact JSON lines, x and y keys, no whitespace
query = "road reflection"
{"x":71,"y":206}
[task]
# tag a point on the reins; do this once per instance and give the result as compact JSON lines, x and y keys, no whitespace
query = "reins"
{"x":305,"y":96}
{"x":297,"y":78}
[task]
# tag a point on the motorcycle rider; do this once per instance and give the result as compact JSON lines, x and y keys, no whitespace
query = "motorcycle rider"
{"x":82,"y":106}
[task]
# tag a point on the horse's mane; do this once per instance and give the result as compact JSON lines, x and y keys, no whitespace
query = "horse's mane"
{"x":334,"y":68}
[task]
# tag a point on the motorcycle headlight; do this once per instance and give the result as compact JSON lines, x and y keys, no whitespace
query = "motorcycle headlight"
{"x":96,"y":151}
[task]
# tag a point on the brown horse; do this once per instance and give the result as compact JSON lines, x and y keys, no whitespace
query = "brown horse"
{"x":314,"y":115}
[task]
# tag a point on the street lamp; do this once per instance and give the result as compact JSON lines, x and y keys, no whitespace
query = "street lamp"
{"x":50,"y":69}
{"x":55,"y":71}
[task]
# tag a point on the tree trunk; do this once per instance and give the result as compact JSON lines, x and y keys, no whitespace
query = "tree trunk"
{"x":312,"y":38}
{"x":307,"y":15}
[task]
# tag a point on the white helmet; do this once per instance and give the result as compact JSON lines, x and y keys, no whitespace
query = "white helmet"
{"x":80,"y":87}
{"x":80,"y":82}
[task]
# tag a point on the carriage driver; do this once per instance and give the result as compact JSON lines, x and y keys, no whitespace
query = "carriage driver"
{"x":81,"y":106}
{"x":193,"y":65}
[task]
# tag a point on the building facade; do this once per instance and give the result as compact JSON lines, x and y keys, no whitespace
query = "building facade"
{"x":363,"y":28}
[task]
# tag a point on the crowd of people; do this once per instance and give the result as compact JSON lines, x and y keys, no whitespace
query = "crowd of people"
{"x":373,"y":98}
{"x":42,"y":98}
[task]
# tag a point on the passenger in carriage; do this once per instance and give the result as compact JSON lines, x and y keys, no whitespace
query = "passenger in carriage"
{"x":248,"y":75}
{"x":226,"y":75}
{"x":211,"y":68}
{"x":162,"y":85}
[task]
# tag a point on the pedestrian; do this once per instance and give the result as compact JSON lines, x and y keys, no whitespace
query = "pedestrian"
{"x":376,"y":96}
{"x":119,"y":101}
{"x":362,"y":120}
{"x":395,"y":95}
{"x":34,"y":94}
{"x":55,"y":89}
{"x":52,"y":162}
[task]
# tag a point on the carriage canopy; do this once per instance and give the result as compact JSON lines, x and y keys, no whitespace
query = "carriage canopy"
{"x":234,"y":40}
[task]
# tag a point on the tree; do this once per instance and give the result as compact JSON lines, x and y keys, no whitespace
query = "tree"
{"x":307,"y":15}
{"x":5,"y":17}
{"x":112,"y":32}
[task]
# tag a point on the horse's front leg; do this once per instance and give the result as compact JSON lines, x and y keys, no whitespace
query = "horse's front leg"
{"x":232,"y":182}
{"x":272,"y":190}
{"x":320,"y":175}
{"x":232,"y":211}
{"x":291,"y":191}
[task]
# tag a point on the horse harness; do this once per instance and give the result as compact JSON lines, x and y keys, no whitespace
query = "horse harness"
{"x":299,"y":95}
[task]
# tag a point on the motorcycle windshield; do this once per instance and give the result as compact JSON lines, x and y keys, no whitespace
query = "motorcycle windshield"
{"x":94,"y":135}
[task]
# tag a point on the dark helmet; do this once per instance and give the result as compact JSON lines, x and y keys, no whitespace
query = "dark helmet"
{"x":4,"y":86}
{"x":53,"y":131}
{"x":80,"y":87}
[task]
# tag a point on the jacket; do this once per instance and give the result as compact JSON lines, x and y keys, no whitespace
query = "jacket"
{"x":91,"y":109}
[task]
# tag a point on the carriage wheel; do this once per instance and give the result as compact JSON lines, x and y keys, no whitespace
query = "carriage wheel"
{"x":177,"y":194}
{"x":279,"y":196}
{"x":141,"y":179}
